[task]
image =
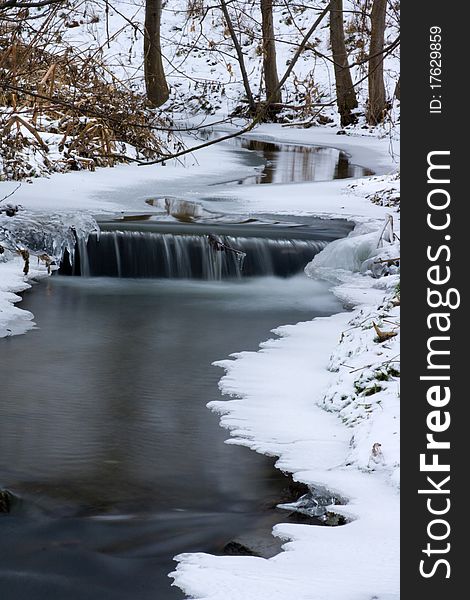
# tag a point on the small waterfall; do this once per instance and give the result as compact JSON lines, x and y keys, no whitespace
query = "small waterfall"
{"x":146,"y":254}
{"x":81,"y":254}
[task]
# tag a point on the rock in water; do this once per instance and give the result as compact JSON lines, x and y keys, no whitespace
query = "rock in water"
{"x":235,"y":549}
{"x":5,"y":501}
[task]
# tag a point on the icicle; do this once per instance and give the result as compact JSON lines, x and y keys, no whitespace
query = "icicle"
{"x":50,"y":234}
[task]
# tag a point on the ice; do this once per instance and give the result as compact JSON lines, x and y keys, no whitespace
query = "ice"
{"x":363,"y":251}
{"x":313,"y":504}
{"x":347,"y":254}
{"x":44,"y":233}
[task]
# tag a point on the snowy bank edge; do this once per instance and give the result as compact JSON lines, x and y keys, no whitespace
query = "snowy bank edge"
{"x":314,"y":447}
{"x":15,"y":320}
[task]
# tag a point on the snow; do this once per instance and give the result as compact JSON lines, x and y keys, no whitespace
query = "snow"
{"x":338,"y":198}
{"x":288,"y":398}
{"x":360,"y":251}
{"x":126,"y":187}
{"x":277,"y":412}
{"x":323,"y":397}
{"x":13,"y":320}
{"x":320,"y":394}
{"x":203,"y":80}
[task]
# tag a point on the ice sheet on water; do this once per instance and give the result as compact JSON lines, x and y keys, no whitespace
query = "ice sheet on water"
{"x":45,"y":233}
{"x":313,"y":504}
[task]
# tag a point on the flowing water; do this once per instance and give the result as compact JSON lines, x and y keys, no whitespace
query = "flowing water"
{"x":106,"y":437}
{"x":115,"y":463}
{"x":201,"y":250}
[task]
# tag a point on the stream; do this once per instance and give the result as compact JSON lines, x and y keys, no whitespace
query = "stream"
{"x":115,"y":463}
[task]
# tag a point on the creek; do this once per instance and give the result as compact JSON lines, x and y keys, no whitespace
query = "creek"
{"x":115,"y":463}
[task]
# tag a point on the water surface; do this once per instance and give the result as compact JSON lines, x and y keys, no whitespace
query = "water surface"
{"x":294,"y":163}
{"x":106,"y":438}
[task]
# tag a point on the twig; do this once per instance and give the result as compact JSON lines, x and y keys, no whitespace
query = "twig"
{"x":388,"y":221}
{"x":386,"y":260}
{"x":386,"y":362}
{"x":391,"y":322}
{"x":218,"y":245}
{"x":11,"y":193}
{"x":18,"y":4}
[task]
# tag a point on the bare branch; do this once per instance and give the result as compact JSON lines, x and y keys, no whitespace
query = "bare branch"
{"x":11,"y":193}
{"x":261,"y":114}
{"x":241,"y":60}
{"x":25,"y":4}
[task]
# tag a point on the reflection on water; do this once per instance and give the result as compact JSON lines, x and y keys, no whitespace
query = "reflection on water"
{"x":290,"y":163}
{"x":105,"y":434}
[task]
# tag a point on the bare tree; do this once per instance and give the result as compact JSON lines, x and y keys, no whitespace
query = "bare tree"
{"x":377,"y":106}
{"x":261,"y":113}
{"x":241,"y":60}
{"x":155,"y":81}
{"x":345,"y":94}
{"x":271,"y":79}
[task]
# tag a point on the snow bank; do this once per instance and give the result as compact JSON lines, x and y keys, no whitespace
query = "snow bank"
{"x":323,"y":397}
{"x":349,"y":254}
{"x":13,"y":320}
{"x":280,"y":392}
{"x":366,"y":250}
{"x":127,"y":187}
{"x":41,"y":238}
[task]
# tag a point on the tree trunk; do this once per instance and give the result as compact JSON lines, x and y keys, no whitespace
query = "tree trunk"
{"x":377,"y":106}
{"x":345,"y":94}
{"x":155,"y":81}
{"x":271,"y":79}
{"x":397,"y":90}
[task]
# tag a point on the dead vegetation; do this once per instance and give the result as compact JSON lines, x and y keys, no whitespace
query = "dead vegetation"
{"x":383,"y":336}
{"x":63,"y":109}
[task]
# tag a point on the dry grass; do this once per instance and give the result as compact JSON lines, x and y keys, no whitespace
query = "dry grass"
{"x":65,"y":110}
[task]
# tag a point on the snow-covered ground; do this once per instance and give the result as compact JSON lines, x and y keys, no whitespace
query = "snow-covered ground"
{"x":126,"y":187}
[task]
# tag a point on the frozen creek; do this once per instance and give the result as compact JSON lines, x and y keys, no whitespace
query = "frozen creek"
{"x":106,"y":440}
